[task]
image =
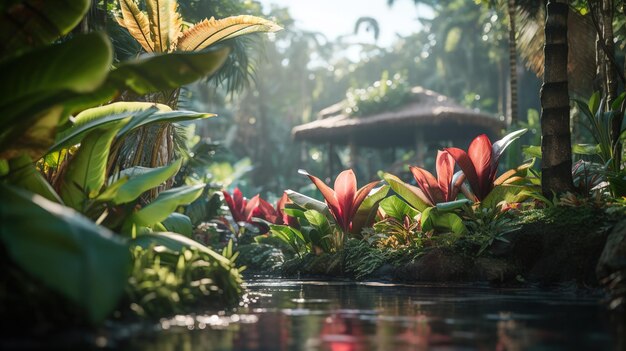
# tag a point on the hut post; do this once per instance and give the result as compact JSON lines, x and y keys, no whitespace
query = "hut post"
{"x":420,"y":147}
{"x":354,"y":153}
{"x":331,"y":150}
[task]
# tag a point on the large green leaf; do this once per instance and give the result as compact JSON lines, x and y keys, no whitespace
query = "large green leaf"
{"x":395,"y":207}
{"x":99,"y":117}
{"x":31,"y":23}
{"x":162,"y":117}
{"x":78,"y":65}
{"x":177,"y":242}
{"x":142,"y":113}
{"x":164,"y":205}
{"x":409,"y":193}
{"x":137,"y":180}
{"x":178,"y":223}
{"x":364,"y":216}
{"x":308,"y":203}
{"x":432,"y":219}
{"x":318,"y":221}
{"x":507,"y":193}
{"x":86,"y":172}
{"x":292,"y":237}
{"x":152,"y":73}
{"x":23,"y":174}
{"x":38,"y":85}
{"x":86,"y":263}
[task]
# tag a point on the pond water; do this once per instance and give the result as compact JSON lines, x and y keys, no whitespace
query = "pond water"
{"x":346,"y":316}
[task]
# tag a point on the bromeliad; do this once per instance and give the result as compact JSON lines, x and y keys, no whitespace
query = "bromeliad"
{"x":442,"y":189}
{"x":244,"y":210}
{"x":344,"y":201}
{"x":480,"y":162}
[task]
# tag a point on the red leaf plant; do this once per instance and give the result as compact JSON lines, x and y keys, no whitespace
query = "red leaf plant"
{"x":237,"y":205}
{"x":284,"y":218}
{"x":344,"y":201}
{"x":441,"y":189}
{"x":480,"y":163}
{"x":259,"y":208}
{"x":244,"y":210}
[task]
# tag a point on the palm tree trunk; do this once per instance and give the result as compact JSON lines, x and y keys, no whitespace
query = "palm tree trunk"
{"x":512,"y":63}
{"x":556,"y":144}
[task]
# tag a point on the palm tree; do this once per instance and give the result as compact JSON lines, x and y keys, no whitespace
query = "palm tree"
{"x":511,"y":5}
{"x":161,"y":30}
{"x":556,"y":144}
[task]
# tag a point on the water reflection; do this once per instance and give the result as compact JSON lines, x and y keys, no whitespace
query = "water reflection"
{"x":342,"y":316}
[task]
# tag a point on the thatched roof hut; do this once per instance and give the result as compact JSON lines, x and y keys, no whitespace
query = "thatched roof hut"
{"x":426,"y":117}
{"x":426,"y":120}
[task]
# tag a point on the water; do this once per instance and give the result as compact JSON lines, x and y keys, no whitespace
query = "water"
{"x":346,"y":316}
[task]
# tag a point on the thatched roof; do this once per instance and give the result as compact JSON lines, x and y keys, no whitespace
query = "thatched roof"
{"x":434,"y":116}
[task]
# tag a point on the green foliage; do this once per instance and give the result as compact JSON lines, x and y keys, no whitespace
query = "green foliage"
{"x":366,"y":213}
{"x":396,"y":208}
{"x":178,"y":223}
{"x":261,"y":257}
{"x":292,"y":237}
{"x":384,"y":95}
{"x":70,"y":254}
{"x":135,"y":181}
{"x":600,"y":124}
{"x":53,"y":20}
{"x":161,"y":207}
{"x":165,"y":282}
{"x":362,"y":259}
{"x":408,"y":192}
{"x":86,"y":174}
{"x":487,"y":225}
{"x":441,"y":221}
{"x":162,"y":72}
{"x":36,"y":94}
{"x":24,"y":175}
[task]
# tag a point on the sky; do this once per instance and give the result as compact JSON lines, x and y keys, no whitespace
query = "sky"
{"x":338,"y":17}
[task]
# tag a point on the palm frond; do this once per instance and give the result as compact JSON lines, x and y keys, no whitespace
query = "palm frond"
{"x":160,"y":19}
{"x":211,"y":31}
{"x":239,"y":69}
{"x":137,"y":24}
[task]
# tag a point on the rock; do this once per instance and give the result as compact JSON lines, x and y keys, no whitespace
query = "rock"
{"x":438,"y":265}
{"x":496,"y":270}
{"x":613,"y":257}
{"x":611,"y":268}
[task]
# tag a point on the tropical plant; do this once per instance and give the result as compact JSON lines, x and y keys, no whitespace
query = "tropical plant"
{"x":161,"y":29}
{"x":344,"y":201}
{"x":480,"y":163}
{"x":180,"y":279}
{"x":82,"y":261}
{"x":600,"y":124}
{"x":442,"y":189}
{"x":488,"y":225}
